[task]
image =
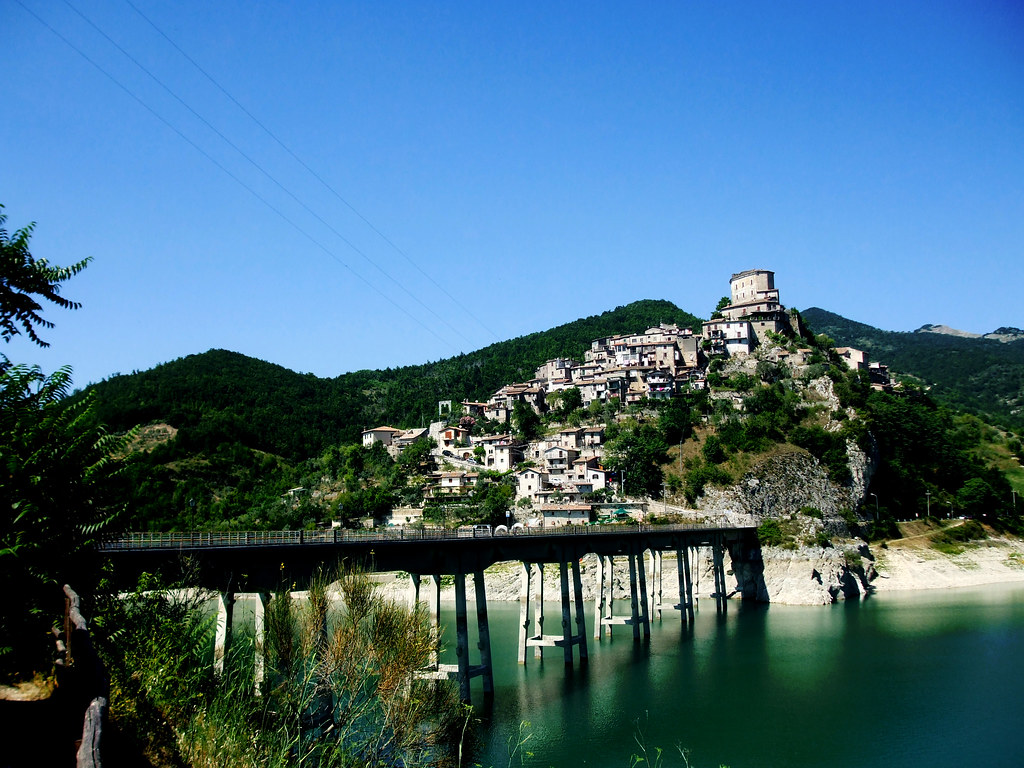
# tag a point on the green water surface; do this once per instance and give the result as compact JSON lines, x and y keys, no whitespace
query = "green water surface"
{"x":924,"y":679}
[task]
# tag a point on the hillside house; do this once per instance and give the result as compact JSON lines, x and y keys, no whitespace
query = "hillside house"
{"x":558,"y":459}
{"x":855,"y":359}
{"x":554,"y":515}
{"x":529,"y":482}
{"x":383,"y":435}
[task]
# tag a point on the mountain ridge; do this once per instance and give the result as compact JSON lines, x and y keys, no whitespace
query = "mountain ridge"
{"x":981,"y":375}
{"x":226,"y":394}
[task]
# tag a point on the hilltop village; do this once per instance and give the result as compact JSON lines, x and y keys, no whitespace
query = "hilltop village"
{"x":560,"y":478}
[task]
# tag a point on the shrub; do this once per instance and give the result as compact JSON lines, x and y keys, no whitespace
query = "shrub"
{"x":952,"y":540}
{"x":699,"y":476}
{"x":769,"y":533}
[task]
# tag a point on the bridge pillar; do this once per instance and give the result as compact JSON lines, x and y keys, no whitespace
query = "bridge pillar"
{"x":634,"y":613}
{"x":222,"y":637}
{"x":260,"y":619}
{"x":656,"y":583}
{"x":721,"y":603}
{"x":685,"y":576}
{"x":533,"y":587}
{"x":461,"y":636}
{"x":581,"y":621}
{"x":599,"y":600}
{"x":563,"y":572}
{"x":433,"y":608}
{"x":538,"y":610}
{"x":524,"y":612}
{"x":608,"y":591}
{"x":484,"y":635}
{"x":645,"y":616}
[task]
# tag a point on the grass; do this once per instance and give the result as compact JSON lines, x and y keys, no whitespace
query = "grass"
{"x":340,"y":688}
{"x":954,"y":540}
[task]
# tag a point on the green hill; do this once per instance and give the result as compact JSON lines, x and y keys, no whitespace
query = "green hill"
{"x":981,"y":376}
{"x":220,"y":397}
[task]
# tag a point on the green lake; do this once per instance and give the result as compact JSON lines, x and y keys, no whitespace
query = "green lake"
{"x":919,"y":679}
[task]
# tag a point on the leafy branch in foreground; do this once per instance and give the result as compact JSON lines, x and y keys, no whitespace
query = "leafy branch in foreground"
{"x":55,"y":473}
{"x":22,"y":277}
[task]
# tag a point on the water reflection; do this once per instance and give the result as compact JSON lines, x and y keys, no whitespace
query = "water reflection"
{"x":897,"y":680}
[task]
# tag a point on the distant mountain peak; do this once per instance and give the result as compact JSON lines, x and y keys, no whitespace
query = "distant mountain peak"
{"x":945,"y":329}
{"x":1004,"y":334}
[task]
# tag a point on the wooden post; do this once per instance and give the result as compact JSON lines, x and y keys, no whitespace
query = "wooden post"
{"x":222,"y":638}
{"x":524,"y":611}
{"x":484,"y":634}
{"x":581,"y":619}
{"x":462,"y":636}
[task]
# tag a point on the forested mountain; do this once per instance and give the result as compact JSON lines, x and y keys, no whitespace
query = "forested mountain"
{"x":222,"y":397}
{"x":982,"y":376}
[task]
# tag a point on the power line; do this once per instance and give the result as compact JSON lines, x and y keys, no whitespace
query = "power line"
{"x":308,"y":169}
{"x":262,"y":170}
{"x":231,"y":175}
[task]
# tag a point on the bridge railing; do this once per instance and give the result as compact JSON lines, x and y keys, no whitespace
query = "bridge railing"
{"x":211,"y":539}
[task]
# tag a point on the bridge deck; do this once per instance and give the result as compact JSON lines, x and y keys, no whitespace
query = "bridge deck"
{"x":265,"y":560}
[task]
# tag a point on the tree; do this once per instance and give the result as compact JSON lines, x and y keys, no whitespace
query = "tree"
{"x":723,"y":302}
{"x":525,"y":421}
{"x":640,"y":451}
{"x":572,"y":399}
{"x":22,"y":278}
{"x":55,"y":466}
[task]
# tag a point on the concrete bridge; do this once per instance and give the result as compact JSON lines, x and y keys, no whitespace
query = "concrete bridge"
{"x":261,"y":562}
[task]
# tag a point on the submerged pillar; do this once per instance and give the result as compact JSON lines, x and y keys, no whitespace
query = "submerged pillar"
{"x":563,"y":573}
{"x":610,"y":593}
{"x":719,"y":569}
{"x":634,"y":612}
{"x":656,"y":583}
{"x":484,"y":635}
{"x":645,"y":616}
{"x":581,"y":621}
{"x":462,"y":636}
{"x":538,"y":610}
{"x":685,"y":576}
{"x":524,"y":611}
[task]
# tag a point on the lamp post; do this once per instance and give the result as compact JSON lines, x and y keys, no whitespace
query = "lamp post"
{"x":928,"y":502}
{"x":876,"y":506}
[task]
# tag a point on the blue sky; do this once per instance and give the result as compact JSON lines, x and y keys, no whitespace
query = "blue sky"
{"x":521,"y":165}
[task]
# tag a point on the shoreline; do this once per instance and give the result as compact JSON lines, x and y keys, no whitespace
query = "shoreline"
{"x":808,"y":576}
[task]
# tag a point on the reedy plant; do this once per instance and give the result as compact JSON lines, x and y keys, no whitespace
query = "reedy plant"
{"x":340,"y":689}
